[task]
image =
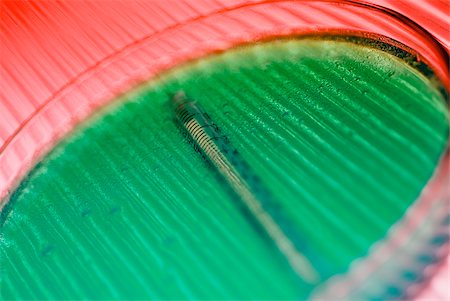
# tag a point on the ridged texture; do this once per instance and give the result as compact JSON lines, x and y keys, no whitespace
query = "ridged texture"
{"x":430,"y":14}
{"x":344,"y":136}
{"x":62,"y":60}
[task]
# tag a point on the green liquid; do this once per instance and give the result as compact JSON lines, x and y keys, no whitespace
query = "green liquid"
{"x":344,"y":136}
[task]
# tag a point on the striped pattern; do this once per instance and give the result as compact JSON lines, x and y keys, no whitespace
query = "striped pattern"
{"x":432,"y":15}
{"x":85,"y":53}
{"x":344,"y":136}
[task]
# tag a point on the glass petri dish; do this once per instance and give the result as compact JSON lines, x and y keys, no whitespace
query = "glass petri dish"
{"x":357,"y":272}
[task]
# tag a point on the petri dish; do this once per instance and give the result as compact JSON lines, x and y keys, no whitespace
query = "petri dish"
{"x":348,"y":131}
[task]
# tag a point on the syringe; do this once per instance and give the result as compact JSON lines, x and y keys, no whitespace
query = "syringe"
{"x":215,"y":147}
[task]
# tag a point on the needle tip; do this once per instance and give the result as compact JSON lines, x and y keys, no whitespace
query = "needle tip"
{"x":178,"y":98}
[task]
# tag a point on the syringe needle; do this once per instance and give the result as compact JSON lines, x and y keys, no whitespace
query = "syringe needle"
{"x":215,"y":147}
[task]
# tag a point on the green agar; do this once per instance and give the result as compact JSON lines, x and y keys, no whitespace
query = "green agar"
{"x":344,"y":136}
